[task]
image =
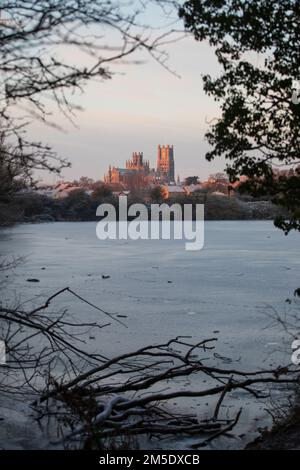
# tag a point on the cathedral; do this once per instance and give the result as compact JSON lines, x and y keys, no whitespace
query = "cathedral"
{"x":139,"y":168}
{"x":165,"y":163}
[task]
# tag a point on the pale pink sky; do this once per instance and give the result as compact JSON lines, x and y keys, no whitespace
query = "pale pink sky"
{"x":140,"y":107}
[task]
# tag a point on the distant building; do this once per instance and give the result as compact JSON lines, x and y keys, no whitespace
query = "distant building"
{"x":192,"y":188}
{"x":137,"y":163}
{"x":137,"y":171}
{"x":165,"y":163}
{"x":135,"y":166}
{"x":173,"y":191}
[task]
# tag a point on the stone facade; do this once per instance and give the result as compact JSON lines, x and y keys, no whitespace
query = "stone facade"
{"x":138,"y":168}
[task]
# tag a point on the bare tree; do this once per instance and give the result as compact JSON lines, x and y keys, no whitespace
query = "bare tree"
{"x":38,"y":339}
{"x":131,"y":395}
{"x":92,"y":398}
{"x":49,"y":49}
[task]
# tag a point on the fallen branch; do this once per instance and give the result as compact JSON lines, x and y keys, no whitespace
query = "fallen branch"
{"x":120,"y":397}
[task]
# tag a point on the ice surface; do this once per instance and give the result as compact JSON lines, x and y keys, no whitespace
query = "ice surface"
{"x":165,"y":291}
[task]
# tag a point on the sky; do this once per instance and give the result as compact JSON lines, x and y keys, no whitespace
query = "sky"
{"x":142,"y":106}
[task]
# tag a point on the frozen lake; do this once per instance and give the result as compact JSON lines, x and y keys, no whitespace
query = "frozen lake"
{"x":163,"y":290}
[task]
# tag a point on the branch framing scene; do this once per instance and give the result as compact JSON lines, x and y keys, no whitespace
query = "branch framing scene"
{"x":149,"y":231}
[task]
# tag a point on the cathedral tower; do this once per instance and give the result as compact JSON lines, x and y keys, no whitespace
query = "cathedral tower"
{"x":165,"y":163}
